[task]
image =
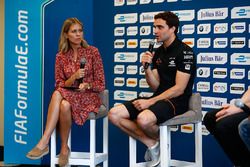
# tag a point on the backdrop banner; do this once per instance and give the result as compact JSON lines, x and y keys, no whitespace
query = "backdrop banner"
{"x":23,"y":79}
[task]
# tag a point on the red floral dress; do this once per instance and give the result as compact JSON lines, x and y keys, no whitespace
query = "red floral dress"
{"x":82,"y":102}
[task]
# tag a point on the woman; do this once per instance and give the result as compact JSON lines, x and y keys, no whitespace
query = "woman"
{"x":69,"y":103}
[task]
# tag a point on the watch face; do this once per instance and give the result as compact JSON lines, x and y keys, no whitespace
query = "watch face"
{"x":238,"y":103}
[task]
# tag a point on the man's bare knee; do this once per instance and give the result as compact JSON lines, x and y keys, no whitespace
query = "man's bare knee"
{"x":144,"y":121}
{"x":116,"y":113}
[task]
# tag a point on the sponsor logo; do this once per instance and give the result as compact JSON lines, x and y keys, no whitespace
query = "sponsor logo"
{"x":131,"y":2}
{"x":147,"y":17}
{"x":158,"y":1}
{"x":132,"y":69}
{"x":240,"y":12}
{"x":239,"y":27}
{"x":132,"y":30}
{"x":126,"y":18}
{"x":213,"y":14}
{"x":249,"y":76}
{"x":212,"y":58}
{"x":219,"y":87}
{"x":119,"y":2}
{"x":119,"y":43}
{"x":142,"y":72}
{"x":203,"y":28}
{"x":124,"y":95}
{"x":220,"y":42}
{"x":220,"y":28}
{"x":203,"y":86}
{"x":212,"y":102}
{"x":145,"y":30}
{"x":237,"y":88}
{"x":145,"y":1}
{"x":220,"y":73}
{"x":118,"y":81}
{"x":240,"y":58}
{"x":131,"y":82}
{"x":187,"y":128}
{"x":132,"y":43}
{"x":146,"y":94}
{"x":187,"y":29}
{"x":189,"y":42}
{"x":172,"y":0}
{"x":119,"y":69}
{"x":203,"y":72}
{"x":203,"y":43}
{"x":144,"y":43}
{"x":126,"y":56}
{"x":119,"y":31}
{"x":237,"y":73}
{"x":143,"y":83}
{"x":185,"y":15}
{"x":238,"y":42}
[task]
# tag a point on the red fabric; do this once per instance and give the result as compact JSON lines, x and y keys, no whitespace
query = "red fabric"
{"x":82,"y":102}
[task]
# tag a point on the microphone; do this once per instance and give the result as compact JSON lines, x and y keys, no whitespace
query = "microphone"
{"x":240,"y":104}
{"x":82,"y":65}
{"x":150,"y":49}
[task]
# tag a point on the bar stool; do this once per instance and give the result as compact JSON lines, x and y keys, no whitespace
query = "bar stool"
{"x":91,"y":158}
{"x":194,"y":116}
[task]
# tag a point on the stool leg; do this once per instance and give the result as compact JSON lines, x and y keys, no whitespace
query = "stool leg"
{"x":53,"y":148}
{"x":105,"y":140}
{"x":132,"y":152}
{"x":164,"y":146}
{"x":92,"y":142}
{"x":198,"y":144}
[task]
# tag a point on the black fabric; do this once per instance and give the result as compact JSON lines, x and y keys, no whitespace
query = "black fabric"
{"x":163,"y":110}
{"x":178,"y":56}
{"x":226,"y":133}
{"x":1,"y":153}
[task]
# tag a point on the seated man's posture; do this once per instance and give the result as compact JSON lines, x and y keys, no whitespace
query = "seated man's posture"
{"x":171,"y":78}
{"x":226,"y":124}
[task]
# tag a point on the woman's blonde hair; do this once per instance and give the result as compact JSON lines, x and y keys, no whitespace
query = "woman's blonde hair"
{"x":64,"y":45}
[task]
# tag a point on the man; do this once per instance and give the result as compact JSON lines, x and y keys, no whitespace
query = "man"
{"x":226,"y":124}
{"x":171,"y":78}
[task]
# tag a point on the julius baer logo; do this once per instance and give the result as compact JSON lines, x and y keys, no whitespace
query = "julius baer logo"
{"x":212,"y":58}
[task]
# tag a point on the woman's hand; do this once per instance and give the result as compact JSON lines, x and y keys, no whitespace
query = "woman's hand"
{"x":79,"y":73}
{"x":84,"y":86}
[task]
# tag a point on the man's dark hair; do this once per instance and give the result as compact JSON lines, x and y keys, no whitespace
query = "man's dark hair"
{"x":171,"y":19}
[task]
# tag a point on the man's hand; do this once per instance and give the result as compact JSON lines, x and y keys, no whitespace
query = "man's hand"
{"x":142,"y":104}
{"x":146,"y":58}
{"x":227,"y":110}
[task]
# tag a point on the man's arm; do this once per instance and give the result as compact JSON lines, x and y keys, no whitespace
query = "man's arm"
{"x":231,"y":109}
{"x":181,"y":81}
{"x":152,"y":78}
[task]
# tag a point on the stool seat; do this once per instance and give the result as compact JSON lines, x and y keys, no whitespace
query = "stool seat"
{"x":194,"y":116}
{"x":91,"y":158}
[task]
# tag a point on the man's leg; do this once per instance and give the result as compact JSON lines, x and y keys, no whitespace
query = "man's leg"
{"x":244,"y":131}
{"x":226,"y":133}
{"x":120,"y":117}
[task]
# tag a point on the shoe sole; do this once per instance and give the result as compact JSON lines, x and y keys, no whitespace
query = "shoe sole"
{"x":34,"y":158}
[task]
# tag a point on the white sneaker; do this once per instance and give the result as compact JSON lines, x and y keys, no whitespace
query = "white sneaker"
{"x":147,"y":156}
{"x":154,"y":153}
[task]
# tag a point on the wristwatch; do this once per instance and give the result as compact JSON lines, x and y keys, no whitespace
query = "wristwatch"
{"x":239,"y":103}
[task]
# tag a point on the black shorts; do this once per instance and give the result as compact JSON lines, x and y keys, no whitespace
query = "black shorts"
{"x":163,"y":109}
